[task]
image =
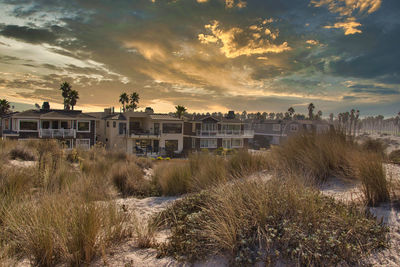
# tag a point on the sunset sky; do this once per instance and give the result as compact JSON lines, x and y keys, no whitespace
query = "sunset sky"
{"x":208,"y":55}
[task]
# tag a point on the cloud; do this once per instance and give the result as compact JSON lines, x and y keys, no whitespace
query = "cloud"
{"x":28,"y":34}
{"x":373,"y":89}
{"x":235,"y":41}
{"x":347,"y":11}
{"x":349,"y":26}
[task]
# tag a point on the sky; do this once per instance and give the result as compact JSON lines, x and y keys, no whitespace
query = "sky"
{"x":207,"y":55}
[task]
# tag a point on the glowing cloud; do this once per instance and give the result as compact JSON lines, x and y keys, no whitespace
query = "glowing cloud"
{"x":236,"y":42}
{"x":350,"y":26}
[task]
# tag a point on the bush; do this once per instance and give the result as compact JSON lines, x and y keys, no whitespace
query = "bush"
{"x":243,"y":163}
{"x":394,"y":156}
{"x":173,"y":178}
{"x":129,"y":180}
{"x":374,"y":145}
{"x":61,"y":228}
{"x":257,"y":221}
{"x":22,"y":153}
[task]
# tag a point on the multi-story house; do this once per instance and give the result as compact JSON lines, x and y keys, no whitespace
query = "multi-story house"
{"x":274,"y":132}
{"x":140,"y":132}
{"x":72,"y":127}
{"x":208,"y":132}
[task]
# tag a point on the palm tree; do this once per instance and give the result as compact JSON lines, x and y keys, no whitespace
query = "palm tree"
{"x":124,"y":99}
{"x":356,"y":121}
{"x":291,"y":112}
{"x":319,"y":114}
{"x":133,"y":101}
{"x":65,"y":91}
{"x":4,"y":107}
{"x":73,"y":97}
{"x":180,"y":110}
{"x":311,"y":108}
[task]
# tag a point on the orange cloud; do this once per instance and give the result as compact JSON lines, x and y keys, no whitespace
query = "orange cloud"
{"x":350,"y":26}
{"x":236,"y":42}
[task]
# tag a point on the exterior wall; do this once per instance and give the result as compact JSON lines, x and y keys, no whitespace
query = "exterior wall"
{"x":113,"y":139}
{"x":90,"y":135}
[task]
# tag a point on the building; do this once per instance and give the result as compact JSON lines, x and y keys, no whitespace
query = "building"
{"x":74,"y":128}
{"x":140,"y":132}
{"x":208,"y":132}
{"x":274,"y":132}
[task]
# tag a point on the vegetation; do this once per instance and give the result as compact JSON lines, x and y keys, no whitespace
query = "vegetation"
{"x":315,"y":157}
{"x":394,"y":156}
{"x":4,"y":107}
{"x":180,"y":110}
{"x":70,"y":96}
{"x":256,"y":221}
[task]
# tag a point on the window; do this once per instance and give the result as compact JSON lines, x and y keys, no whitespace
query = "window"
{"x":209,"y":127}
{"x":193,"y":127}
{"x":171,"y":145}
{"x":172,"y":128}
{"x":45,"y":124}
{"x":54,"y":124}
{"x":231,"y":127}
{"x":64,"y":125}
{"x":7,"y":124}
{"x":122,"y":128}
{"x":108,"y":124}
{"x":237,"y":142}
{"x":82,"y":143}
{"x":208,"y":143}
{"x":25,"y":125}
{"x":114,"y":124}
{"x":276,"y":127}
{"x":156,"y":128}
{"x":83,"y":126}
{"x":294,"y":128}
{"x":226,"y":143}
{"x":67,"y":143}
{"x":193,"y":142}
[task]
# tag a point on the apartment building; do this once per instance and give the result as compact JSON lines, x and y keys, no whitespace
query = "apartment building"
{"x":71,"y":127}
{"x":140,"y":132}
{"x":208,"y":132}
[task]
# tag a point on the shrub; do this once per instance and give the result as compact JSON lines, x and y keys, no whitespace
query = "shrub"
{"x":243,"y":163}
{"x":256,"y":221}
{"x":22,"y":153}
{"x":374,"y":145}
{"x":173,"y":178}
{"x":369,"y":169}
{"x":129,"y":180}
{"x":394,"y":156}
{"x":61,"y":228}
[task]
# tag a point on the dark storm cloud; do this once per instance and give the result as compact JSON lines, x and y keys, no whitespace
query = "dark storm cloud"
{"x":28,"y":34}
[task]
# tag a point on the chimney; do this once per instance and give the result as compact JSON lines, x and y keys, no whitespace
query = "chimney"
{"x":149,"y":110}
{"x":231,"y":114}
{"x":113,"y":110}
{"x":107,"y":111}
{"x":46,"y":106}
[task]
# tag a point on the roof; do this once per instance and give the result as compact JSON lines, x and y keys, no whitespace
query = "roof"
{"x":165,"y":117}
{"x":217,"y":119}
{"x":53,"y":114}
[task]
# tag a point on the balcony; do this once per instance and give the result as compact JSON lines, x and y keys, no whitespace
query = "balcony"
{"x":57,"y":133}
{"x":141,"y":133}
{"x":225,"y":133}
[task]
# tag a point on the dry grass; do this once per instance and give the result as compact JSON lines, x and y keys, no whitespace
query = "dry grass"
{"x":394,"y":156}
{"x":255,"y":221}
{"x":58,"y":212}
{"x":319,"y":156}
{"x":204,"y":170}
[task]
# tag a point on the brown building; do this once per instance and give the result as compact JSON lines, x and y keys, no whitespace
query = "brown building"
{"x":74,"y":128}
{"x":208,"y":132}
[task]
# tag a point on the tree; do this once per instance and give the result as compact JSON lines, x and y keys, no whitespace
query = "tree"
{"x":291,"y":111}
{"x":311,"y":108}
{"x":73,"y":98}
{"x":356,"y":121}
{"x":124,"y":99}
{"x":37,"y":106}
{"x":331,"y":118}
{"x":271,"y":115}
{"x":319,"y":115}
{"x":4,"y":107}
{"x":180,"y":110}
{"x":133,"y":101}
{"x":65,"y":92}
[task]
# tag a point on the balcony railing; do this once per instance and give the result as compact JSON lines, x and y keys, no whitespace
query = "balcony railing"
{"x":226,"y":133}
{"x":57,"y":133}
{"x":143,"y":133}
